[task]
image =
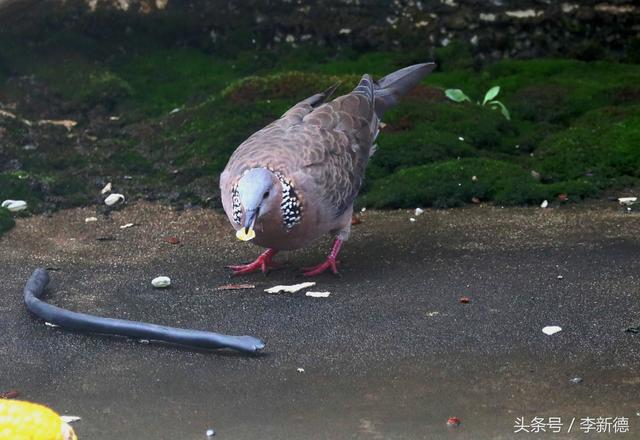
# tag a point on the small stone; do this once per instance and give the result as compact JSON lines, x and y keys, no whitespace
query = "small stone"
{"x":114,"y":198}
{"x":106,"y":189}
{"x":128,"y":225}
{"x":14,"y":205}
{"x":544,"y":204}
{"x":475,"y":200}
{"x":560,"y":277}
{"x":300,"y":370}
{"x":90,"y":219}
{"x":453,"y":422}
{"x":551,"y":330}
{"x":418,"y":212}
{"x":172,"y":240}
{"x":627,"y":200}
{"x":474,"y":178}
{"x":211,"y":432}
{"x":412,"y":219}
{"x":465,"y":300}
{"x":161,"y":282}
{"x":576,"y":380}
{"x":11,"y":394}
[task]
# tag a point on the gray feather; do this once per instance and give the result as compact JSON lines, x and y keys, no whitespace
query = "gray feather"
{"x":392,"y":87}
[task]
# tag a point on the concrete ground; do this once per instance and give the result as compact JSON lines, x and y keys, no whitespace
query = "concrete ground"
{"x":391,"y":354}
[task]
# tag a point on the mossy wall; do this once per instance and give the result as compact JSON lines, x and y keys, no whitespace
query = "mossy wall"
{"x":588,"y":29}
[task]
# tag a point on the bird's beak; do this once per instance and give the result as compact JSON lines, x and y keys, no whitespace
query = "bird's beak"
{"x":249,"y":219}
{"x":246,"y":232}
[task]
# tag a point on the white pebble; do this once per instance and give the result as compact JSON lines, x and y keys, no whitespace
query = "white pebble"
{"x":419,"y":211}
{"x":318,"y":294}
{"x":161,"y":282}
{"x":128,"y":225}
{"x":90,"y":219}
{"x":627,"y":200}
{"x":211,"y":432}
{"x":551,"y":329}
{"x":412,"y":219}
{"x":544,"y":204}
{"x":114,"y":198}
{"x":300,"y":370}
{"x":106,"y":189}
{"x":14,"y":205}
{"x":560,"y":277}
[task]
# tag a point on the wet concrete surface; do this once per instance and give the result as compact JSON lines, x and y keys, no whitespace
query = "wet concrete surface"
{"x":391,"y":354}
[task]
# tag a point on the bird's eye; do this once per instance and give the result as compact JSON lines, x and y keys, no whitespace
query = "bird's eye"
{"x":265,"y":195}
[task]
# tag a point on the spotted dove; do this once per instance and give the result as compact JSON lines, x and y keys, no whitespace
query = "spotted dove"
{"x":297,"y":179}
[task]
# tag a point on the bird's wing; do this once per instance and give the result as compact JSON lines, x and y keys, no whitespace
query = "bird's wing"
{"x":338,"y":142}
{"x":328,"y":143}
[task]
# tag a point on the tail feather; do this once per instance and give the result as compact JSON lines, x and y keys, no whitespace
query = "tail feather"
{"x":391,"y":88}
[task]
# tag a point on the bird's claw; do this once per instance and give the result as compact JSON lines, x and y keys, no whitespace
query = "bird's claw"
{"x":263,"y":263}
{"x":330,"y":263}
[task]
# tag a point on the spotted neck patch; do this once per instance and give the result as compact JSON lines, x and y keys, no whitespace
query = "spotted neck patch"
{"x":290,"y":207}
{"x":237,"y":208}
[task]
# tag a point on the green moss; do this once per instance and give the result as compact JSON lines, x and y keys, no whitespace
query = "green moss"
{"x":455,"y":56}
{"x":6,"y":220}
{"x":286,"y":85}
{"x":603,"y":145}
{"x":16,"y":186}
{"x":572,"y":121}
{"x":106,"y":88}
{"x":172,"y":78}
{"x":452,"y":183}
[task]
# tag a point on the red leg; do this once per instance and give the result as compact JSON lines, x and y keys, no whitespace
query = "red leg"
{"x":330,"y":263}
{"x":263,"y":263}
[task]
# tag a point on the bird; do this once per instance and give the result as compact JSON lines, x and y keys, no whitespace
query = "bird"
{"x":21,"y":420}
{"x":297,"y":179}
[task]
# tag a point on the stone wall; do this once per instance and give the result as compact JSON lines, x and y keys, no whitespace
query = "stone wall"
{"x":587,"y":29}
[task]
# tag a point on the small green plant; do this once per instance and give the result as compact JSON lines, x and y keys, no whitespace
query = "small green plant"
{"x":458,"y":95}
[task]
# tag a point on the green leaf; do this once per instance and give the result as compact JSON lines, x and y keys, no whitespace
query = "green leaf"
{"x":503,"y":109}
{"x":491,"y":93}
{"x":456,"y":95}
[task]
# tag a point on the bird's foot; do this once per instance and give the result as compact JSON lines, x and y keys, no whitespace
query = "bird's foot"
{"x":263,"y":263}
{"x":330,"y":263}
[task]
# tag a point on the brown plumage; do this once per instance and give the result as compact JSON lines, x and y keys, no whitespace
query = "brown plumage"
{"x":297,"y":179}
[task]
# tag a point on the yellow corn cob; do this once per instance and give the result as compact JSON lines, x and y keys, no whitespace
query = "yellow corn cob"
{"x":21,"y":420}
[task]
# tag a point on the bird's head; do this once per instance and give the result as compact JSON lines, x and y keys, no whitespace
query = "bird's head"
{"x":257,"y":196}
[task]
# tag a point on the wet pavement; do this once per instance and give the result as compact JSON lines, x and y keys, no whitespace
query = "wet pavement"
{"x":391,"y":354}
